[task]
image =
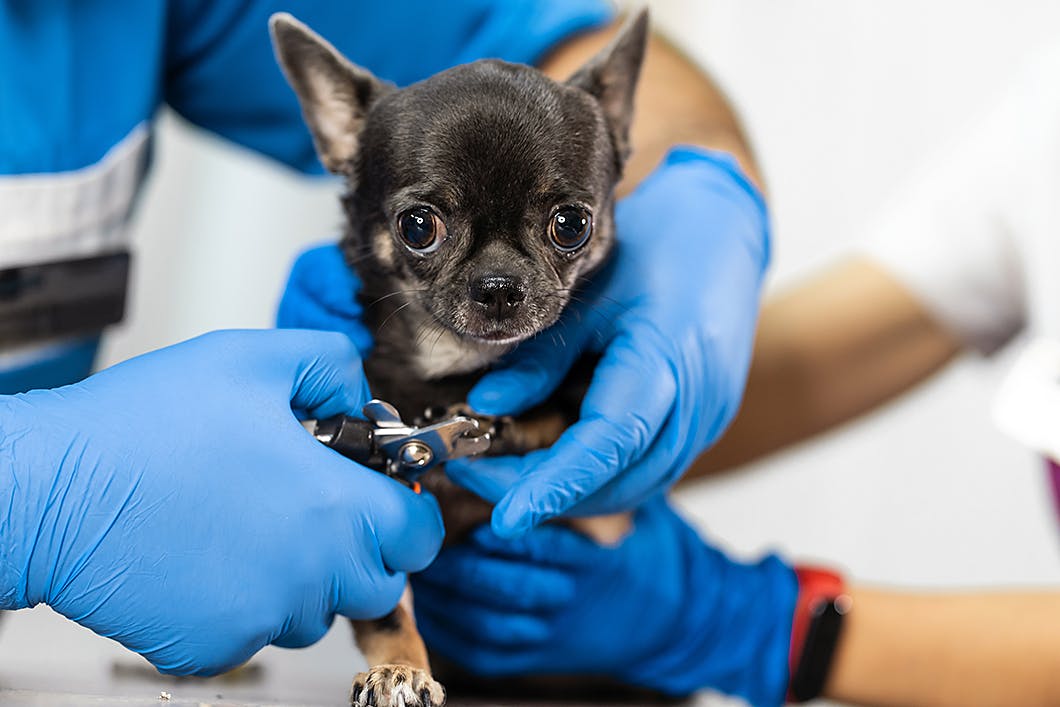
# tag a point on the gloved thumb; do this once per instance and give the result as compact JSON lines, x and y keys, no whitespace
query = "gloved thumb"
{"x":398,"y":532}
{"x":533,"y":372}
{"x":490,"y":478}
{"x":409,"y":527}
{"x":321,"y":293}
{"x":528,"y":377}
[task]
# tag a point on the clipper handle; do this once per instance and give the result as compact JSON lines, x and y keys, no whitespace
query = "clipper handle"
{"x":352,"y":438}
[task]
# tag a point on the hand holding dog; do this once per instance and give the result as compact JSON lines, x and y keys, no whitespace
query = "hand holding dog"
{"x":175,"y":504}
{"x":663,"y":610}
{"x":674,"y":317}
{"x":321,"y":294}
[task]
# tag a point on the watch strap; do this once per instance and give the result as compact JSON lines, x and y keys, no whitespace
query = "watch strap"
{"x":817,"y":623}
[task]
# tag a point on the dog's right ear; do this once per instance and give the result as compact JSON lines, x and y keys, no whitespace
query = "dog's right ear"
{"x":335,"y":94}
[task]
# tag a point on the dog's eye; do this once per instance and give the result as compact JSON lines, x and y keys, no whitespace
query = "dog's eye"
{"x":570,"y":228}
{"x":420,"y":228}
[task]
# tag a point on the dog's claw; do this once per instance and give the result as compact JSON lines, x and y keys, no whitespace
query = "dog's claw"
{"x":396,"y":686}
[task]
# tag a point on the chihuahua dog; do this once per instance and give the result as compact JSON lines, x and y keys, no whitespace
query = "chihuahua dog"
{"x":477,"y":201}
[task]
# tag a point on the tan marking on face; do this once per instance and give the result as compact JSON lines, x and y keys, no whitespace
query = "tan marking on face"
{"x":383,"y":246}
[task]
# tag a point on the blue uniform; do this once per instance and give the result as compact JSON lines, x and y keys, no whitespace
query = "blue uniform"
{"x":81,"y":80}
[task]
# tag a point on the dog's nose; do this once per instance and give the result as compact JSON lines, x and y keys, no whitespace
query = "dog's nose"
{"x":499,"y":295}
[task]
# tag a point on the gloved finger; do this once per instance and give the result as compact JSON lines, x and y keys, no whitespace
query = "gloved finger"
{"x":551,"y":545}
{"x":477,"y":654}
{"x":176,"y":657}
{"x":324,"y":320}
{"x":383,"y":593}
{"x":408,"y":525}
{"x":326,"y":377}
{"x":397,"y":532}
{"x":531,"y":374}
{"x":491,"y":477}
{"x":319,"y":280}
{"x":653,"y":473}
{"x":632,"y":393}
{"x":508,"y":584}
{"x":306,"y":632}
{"x":496,"y":627}
{"x":320,"y":372}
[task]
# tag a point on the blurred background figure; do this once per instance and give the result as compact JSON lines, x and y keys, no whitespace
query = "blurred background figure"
{"x":846,"y":103}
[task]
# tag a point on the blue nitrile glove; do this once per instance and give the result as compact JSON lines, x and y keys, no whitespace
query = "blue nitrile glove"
{"x":674,"y":314}
{"x":175,"y":504}
{"x":321,"y":293}
{"x":663,"y":610}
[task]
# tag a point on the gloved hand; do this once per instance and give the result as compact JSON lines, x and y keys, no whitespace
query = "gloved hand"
{"x":175,"y":504}
{"x":674,"y":315}
{"x":663,"y":610}
{"x":321,"y":293}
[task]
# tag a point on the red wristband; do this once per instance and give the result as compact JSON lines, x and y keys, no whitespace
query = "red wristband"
{"x":816,"y":585}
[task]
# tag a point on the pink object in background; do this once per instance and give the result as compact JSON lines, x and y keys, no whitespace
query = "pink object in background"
{"x":1054,"y":478}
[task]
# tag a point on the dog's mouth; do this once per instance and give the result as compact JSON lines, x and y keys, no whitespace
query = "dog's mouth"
{"x":498,"y":337}
{"x":469,"y":324}
{"x":509,"y":332}
{"x":505,"y":332}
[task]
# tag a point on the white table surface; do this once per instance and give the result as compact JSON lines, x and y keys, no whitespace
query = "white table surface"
{"x":47,"y":661}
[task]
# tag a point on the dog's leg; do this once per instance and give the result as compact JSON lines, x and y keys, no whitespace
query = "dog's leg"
{"x":608,"y":531}
{"x":399,"y":675}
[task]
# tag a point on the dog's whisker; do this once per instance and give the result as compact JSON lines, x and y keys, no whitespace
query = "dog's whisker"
{"x":423,"y":330}
{"x":393,"y":294}
{"x":441,"y":332}
{"x":358,"y":259}
{"x":391,"y":315}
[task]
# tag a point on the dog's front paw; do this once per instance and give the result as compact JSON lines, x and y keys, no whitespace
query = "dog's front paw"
{"x":396,"y":686}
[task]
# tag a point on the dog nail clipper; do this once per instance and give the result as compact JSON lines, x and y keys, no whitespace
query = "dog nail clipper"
{"x":384,"y":442}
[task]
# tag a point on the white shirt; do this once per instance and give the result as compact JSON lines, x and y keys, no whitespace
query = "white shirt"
{"x":976,"y":236}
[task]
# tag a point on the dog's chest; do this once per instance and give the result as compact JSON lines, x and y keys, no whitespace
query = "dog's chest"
{"x":416,"y":367}
{"x":446,"y":355}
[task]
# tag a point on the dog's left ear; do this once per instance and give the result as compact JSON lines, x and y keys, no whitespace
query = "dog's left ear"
{"x":611,"y":77}
{"x":335,"y":93}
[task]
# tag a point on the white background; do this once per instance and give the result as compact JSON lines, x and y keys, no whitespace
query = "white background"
{"x":843,"y":99}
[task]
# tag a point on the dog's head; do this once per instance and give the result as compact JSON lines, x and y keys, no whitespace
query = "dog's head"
{"x":483,"y":193}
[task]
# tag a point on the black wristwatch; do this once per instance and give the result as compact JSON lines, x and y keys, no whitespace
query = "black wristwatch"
{"x":816,"y":627}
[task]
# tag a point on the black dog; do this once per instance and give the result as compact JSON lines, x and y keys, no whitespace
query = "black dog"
{"x":478,"y":200}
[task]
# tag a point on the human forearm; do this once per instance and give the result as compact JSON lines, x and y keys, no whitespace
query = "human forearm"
{"x":833,"y":348}
{"x":955,"y":649}
{"x":676,"y":104}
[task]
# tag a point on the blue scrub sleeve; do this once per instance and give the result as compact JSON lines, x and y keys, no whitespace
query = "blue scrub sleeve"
{"x":221,"y":75}
{"x":56,"y":366}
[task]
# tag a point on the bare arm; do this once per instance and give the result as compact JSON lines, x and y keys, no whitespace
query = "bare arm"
{"x":941,"y":650}
{"x":676,"y":103}
{"x":833,"y":348}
